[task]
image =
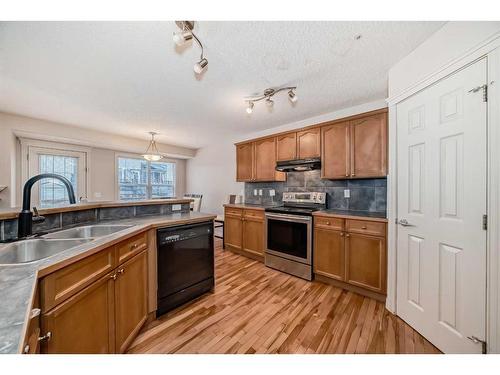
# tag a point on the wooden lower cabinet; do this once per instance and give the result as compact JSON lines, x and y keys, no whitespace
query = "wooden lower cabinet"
{"x":244,"y":231}
{"x":130,"y":300}
{"x":352,"y":255}
{"x":83,"y":324}
{"x":106,"y":315}
{"x":366,"y":261}
{"x":329,"y":254}
{"x":253,"y":236}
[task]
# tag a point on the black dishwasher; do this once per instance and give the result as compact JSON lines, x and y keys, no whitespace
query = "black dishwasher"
{"x":185,"y":264}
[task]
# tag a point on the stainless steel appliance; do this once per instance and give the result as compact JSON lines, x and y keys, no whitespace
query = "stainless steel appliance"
{"x":298,"y":165}
{"x":185,"y":264}
{"x":288,"y":233}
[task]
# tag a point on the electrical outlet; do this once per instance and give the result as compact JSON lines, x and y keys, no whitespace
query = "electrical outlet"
{"x":260,"y":192}
{"x":176,"y":207}
{"x":97,"y":195}
{"x":255,"y":192}
{"x":272,"y":193}
{"x":347,"y":193}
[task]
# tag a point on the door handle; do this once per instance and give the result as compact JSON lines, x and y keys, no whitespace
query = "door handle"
{"x":405,"y":223}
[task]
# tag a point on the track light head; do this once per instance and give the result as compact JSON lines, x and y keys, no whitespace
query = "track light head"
{"x":292,"y":96}
{"x":182,"y":37}
{"x":250,"y":107}
{"x":200,"y":66}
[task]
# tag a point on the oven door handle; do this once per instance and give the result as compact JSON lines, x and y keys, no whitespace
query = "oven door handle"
{"x":292,"y":218}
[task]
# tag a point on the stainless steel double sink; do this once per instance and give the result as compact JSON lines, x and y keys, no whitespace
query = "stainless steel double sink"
{"x":32,"y":250}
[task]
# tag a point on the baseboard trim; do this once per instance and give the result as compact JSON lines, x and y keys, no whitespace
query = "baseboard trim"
{"x":351,"y":288}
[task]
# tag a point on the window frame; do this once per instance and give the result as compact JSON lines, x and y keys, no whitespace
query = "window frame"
{"x":32,"y":148}
{"x":149,"y":185}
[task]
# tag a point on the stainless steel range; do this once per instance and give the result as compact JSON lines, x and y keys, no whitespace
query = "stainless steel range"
{"x":288,"y":233}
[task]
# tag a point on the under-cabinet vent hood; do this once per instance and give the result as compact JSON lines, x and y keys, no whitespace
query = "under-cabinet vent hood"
{"x":300,"y":165}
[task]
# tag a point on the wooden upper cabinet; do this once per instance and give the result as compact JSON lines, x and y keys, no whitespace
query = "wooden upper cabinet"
{"x":369,"y":144}
{"x":130,"y":300}
{"x":286,"y":145}
{"x":245,"y":156}
{"x":335,"y":154}
{"x":308,"y":143}
{"x":265,"y":160}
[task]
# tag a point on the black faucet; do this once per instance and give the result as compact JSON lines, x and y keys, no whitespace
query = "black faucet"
{"x":25,"y":219}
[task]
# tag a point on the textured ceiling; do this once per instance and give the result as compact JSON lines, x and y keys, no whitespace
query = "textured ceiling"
{"x":129,"y":78}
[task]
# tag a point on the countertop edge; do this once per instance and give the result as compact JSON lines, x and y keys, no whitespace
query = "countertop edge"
{"x":243,"y":205}
{"x":352,"y":217}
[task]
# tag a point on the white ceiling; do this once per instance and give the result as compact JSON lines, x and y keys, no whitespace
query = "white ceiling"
{"x":129,"y":78}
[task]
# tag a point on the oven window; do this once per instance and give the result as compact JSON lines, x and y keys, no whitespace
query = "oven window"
{"x":287,"y":237}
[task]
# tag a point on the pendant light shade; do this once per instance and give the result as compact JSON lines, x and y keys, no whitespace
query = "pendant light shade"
{"x":152,"y":153}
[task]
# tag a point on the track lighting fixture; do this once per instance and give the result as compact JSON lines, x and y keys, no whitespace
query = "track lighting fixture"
{"x":250,"y":107}
{"x":268,"y":94}
{"x":186,"y":34}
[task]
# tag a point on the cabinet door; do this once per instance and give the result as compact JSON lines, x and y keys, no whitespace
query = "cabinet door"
{"x":245,"y":162}
{"x":83,"y":324}
{"x":265,"y":159}
{"x":130,"y":300}
{"x":369,"y":146}
{"x":286,"y":146}
{"x":308,"y":143}
{"x":232,"y":231}
{"x":335,"y":161}
{"x":253,"y":236}
{"x":329,"y":253}
{"x":366,"y":261}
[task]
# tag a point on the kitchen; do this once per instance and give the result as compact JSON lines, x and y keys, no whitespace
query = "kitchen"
{"x":333,"y":200}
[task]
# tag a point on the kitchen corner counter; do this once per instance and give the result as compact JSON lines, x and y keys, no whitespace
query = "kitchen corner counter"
{"x":348,"y":214}
{"x":18,"y":282}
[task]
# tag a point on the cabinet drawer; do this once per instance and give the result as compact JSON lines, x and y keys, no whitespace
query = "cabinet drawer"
{"x":328,"y":222}
{"x":127,"y":249}
{"x":233,"y":211}
{"x":254,"y":214}
{"x":366,"y":227}
{"x":64,"y":283}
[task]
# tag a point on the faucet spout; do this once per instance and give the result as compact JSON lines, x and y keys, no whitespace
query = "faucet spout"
{"x":25,"y":220}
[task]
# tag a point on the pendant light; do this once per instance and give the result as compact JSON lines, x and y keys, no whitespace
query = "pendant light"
{"x":152,"y":153}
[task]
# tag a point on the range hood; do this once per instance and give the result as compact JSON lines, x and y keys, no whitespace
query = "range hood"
{"x":299,"y":165}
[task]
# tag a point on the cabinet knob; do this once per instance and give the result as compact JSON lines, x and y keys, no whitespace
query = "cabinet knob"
{"x":341,"y":234}
{"x":347,"y":235}
{"x":47,"y":337}
{"x":363,"y":227}
{"x":113,"y":276}
{"x":134,"y":246}
{"x":327,"y":223}
{"x":121,"y":271}
{"x":347,"y":174}
{"x":353,"y":174}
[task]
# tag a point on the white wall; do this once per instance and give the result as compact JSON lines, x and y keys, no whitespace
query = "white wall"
{"x":212,"y":172}
{"x":102,"y":156}
{"x":447,"y":44}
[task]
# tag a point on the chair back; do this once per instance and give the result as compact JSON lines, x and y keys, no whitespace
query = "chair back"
{"x":195,"y":205}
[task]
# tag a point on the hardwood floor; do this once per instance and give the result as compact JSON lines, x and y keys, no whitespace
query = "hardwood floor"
{"x":255,"y":309}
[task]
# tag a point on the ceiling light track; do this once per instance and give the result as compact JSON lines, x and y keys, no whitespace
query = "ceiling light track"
{"x":268,"y":94}
{"x":184,"y":35}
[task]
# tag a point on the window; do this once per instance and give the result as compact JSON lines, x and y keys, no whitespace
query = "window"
{"x":141,"y":179}
{"x":49,"y":157}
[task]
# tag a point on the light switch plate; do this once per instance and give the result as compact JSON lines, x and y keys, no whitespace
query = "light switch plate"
{"x":97,"y":194}
{"x":347,"y":193}
{"x":272,"y":193}
{"x":176,"y":207}
{"x":260,"y":192}
{"x":255,"y":192}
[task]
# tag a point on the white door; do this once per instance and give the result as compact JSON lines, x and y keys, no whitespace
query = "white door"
{"x":70,"y":164}
{"x":441,"y":271}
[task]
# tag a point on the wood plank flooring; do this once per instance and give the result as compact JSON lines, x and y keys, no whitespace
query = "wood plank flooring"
{"x":255,"y":309}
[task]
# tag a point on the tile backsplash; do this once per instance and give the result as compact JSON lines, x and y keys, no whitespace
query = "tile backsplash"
{"x":365,"y":194}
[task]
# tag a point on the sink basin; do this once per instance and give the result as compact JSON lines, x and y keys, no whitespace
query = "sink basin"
{"x":89,"y":231}
{"x":36,"y":249}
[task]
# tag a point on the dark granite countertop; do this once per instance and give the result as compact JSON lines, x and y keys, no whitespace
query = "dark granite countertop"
{"x":17,"y":282}
{"x":352,"y":213}
{"x":251,"y":205}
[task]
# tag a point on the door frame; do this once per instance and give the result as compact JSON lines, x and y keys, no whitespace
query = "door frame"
{"x":489,"y":49}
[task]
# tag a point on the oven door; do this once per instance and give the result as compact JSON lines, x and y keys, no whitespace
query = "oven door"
{"x":289,"y":236}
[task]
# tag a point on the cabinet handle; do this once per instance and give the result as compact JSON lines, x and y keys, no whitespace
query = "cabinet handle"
{"x":347,"y":235}
{"x":121,"y":271}
{"x":347,"y":174}
{"x":353,"y":174}
{"x":341,"y":234}
{"x":47,"y":337}
{"x":327,"y":223}
{"x":113,"y":276}
{"x":133,"y":246}
{"x":363,"y":227}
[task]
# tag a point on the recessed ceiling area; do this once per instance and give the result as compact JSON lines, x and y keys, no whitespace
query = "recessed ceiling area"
{"x":131,"y":78}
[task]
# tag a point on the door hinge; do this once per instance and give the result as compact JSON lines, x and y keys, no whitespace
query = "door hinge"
{"x":485,"y":91}
{"x":485,"y":222}
{"x":475,"y":340}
